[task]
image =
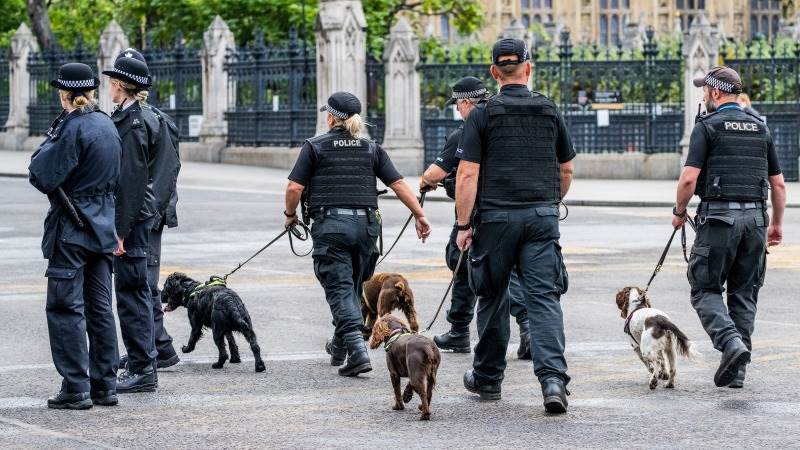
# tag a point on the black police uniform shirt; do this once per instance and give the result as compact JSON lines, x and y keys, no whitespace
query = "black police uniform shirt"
{"x":144,"y":162}
{"x":81,"y":155}
{"x":473,"y":139}
{"x":446,"y":160}
{"x":699,"y":146}
{"x":307,"y":162}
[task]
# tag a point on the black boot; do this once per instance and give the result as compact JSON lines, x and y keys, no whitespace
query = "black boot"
{"x":738,"y":382}
{"x":487,"y":391}
{"x":161,"y":363}
{"x":457,"y":340}
{"x":357,"y":356}
{"x":69,"y":400}
{"x":555,"y":395}
{"x":734,"y":355}
{"x":129,"y":382}
{"x":524,"y":350}
{"x":336,"y":348}
{"x":105,"y":398}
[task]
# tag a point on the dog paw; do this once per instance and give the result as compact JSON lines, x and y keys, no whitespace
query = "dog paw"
{"x":260,"y":367}
{"x":663,"y":376}
{"x":217,"y":365}
{"x":425,"y":416}
{"x":670,"y":386}
{"x":653,"y":383}
{"x":186,"y":349}
{"x":407,"y":396}
{"x":235,"y":359}
{"x":398,"y":407}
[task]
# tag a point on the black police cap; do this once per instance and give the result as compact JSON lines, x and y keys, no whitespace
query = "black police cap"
{"x":131,"y":67}
{"x":342,"y":105}
{"x":467,"y":87}
{"x":75,"y":77}
{"x":509,"y":47}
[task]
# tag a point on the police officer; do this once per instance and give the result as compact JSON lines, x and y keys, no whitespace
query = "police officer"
{"x":148,"y":173}
{"x":468,"y":93}
{"x":515,"y":168}
{"x":77,"y":166}
{"x":163,"y":167}
{"x":731,"y":165}
{"x":338,"y":171}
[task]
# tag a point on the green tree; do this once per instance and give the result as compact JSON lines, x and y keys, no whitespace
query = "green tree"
{"x":13,"y":15}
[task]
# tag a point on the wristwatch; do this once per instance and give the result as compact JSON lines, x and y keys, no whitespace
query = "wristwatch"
{"x":290,"y":215}
{"x":464,"y":227}
{"x":675,"y":212}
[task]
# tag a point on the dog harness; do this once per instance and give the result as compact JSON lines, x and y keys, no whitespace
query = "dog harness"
{"x":627,"y":328}
{"x":213,"y":281}
{"x":395,"y":335}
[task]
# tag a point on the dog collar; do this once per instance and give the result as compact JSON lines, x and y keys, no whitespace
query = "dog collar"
{"x":396,"y":334}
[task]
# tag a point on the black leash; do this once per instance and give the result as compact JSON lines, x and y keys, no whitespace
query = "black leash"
{"x":292,"y":231}
{"x":450,"y":286}
{"x":402,"y":230}
{"x":660,"y":263}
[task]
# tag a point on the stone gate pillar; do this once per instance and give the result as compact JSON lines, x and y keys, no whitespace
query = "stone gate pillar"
{"x":17,"y":126}
{"x":701,"y":54}
{"x":217,"y":41}
{"x":341,"y":32}
{"x":112,"y":42}
{"x":403,"y":135}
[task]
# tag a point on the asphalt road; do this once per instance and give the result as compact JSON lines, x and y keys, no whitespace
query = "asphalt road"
{"x":300,"y":402}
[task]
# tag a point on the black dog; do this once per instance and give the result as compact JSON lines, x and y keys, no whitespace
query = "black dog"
{"x":215,"y":306}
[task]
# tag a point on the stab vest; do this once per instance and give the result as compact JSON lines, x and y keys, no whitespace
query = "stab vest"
{"x":344,"y":175}
{"x":736,"y":166}
{"x":519,"y":165}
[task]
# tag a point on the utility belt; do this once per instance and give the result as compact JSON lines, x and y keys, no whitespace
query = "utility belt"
{"x":372,"y":215}
{"x":716,"y":205}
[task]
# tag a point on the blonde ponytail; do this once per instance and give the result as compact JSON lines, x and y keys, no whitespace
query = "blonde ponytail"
{"x":84,"y":102}
{"x":142,"y":96}
{"x":353,"y":125}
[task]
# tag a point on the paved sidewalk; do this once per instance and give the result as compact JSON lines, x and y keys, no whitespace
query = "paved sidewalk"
{"x":584,"y":192}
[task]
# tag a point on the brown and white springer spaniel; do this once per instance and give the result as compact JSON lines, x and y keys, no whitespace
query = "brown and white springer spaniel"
{"x":654,"y":338}
{"x":382,"y":294}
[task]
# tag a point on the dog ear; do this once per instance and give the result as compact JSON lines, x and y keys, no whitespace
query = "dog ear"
{"x":379,"y":333}
{"x":623,"y":297}
{"x":645,"y":299}
{"x":400,"y":286}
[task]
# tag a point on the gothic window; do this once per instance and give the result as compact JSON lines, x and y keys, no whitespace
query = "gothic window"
{"x":604,"y":30}
{"x":765,"y":18}
{"x":526,"y":21}
{"x":776,"y":25}
{"x":679,"y":4}
{"x":615,"y":31}
{"x":548,"y":4}
{"x":537,"y":18}
{"x":444,"y":24}
{"x":525,"y":4}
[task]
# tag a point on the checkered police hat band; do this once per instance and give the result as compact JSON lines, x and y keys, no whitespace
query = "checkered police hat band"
{"x":470,"y":94}
{"x":336,"y":113}
{"x":719,"y":84}
{"x":136,"y":78}
{"x":76,"y":83}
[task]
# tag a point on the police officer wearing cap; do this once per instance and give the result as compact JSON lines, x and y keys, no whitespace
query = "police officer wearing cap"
{"x":336,"y":174}
{"x":77,"y":167}
{"x":515,"y":168}
{"x":731,"y":166}
{"x":468,"y":93}
{"x":145,"y":203}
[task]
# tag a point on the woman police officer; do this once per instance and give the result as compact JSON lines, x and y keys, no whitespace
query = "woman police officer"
{"x":338,"y":171}
{"x":77,"y":166}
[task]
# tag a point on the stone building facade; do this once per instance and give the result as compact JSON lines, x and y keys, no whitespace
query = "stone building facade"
{"x":606,"y":21}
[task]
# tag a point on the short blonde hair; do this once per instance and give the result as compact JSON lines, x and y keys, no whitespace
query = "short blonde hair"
{"x":83,"y":101}
{"x":133,"y":90}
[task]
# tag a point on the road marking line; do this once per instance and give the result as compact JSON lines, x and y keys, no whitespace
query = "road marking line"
{"x":52,"y":433}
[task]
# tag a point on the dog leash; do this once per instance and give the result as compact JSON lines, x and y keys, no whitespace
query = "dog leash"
{"x":402,"y":230}
{"x":450,"y":286}
{"x":663,"y":257}
{"x":291,"y":231}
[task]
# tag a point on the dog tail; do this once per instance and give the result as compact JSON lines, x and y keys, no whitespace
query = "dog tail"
{"x":685,"y":346}
{"x":433,"y":358}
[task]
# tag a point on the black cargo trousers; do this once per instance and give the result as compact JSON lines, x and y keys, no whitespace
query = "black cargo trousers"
{"x":729,"y":251}
{"x":345,"y":253}
{"x":525,"y":240}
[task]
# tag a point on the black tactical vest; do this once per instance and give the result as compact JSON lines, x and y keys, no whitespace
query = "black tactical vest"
{"x":736,"y":166}
{"x":344,"y":175}
{"x":519,"y":165}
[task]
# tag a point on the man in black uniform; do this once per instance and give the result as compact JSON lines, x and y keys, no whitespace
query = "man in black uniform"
{"x":338,"y":171}
{"x":468,"y":93}
{"x":161,"y":144}
{"x":77,"y":166}
{"x":731,"y":165}
{"x":145,"y":190}
{"x":516,"y":159}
